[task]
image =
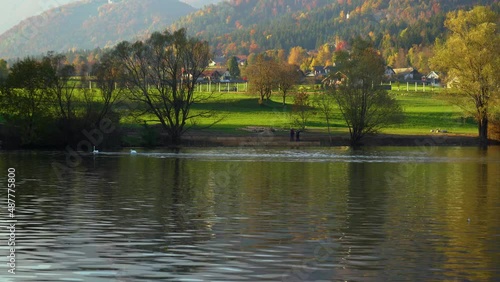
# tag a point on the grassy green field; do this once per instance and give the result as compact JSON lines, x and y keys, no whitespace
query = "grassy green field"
{"x":423,"y":111}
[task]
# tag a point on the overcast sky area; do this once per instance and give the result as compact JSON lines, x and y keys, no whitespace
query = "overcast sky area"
{"x":13,"y":12}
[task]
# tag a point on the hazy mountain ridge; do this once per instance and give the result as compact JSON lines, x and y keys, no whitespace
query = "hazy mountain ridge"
{"x":89,"y":24}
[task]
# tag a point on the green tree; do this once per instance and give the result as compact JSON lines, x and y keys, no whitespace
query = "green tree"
{"x":470,"y":57}
{"x":161,"y":73}
{"x":4,"y":71}
{"x":26,"y":99}
{"x":233,"y":67}
{"x":364,"y":107}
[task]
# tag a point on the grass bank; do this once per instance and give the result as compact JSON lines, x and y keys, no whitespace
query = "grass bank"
{"x":423,"y":111}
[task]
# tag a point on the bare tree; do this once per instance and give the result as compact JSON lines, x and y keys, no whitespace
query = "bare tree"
{"x":62,"y":91}
{"x":262,"y":76}
{"x":287,"y":76}
{"x":325,"y":104}
{"x":109,"y":79}
{"x":161,"y":73}
{"x":301,"y":110}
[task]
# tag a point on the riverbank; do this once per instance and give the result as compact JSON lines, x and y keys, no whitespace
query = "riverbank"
{"x":270,"y":138}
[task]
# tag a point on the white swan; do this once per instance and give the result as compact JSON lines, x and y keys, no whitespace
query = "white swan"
{"x":95,"y":151}
{"x":133,"y":152}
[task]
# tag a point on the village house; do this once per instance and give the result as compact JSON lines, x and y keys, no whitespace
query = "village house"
{"x":433,"y":78}
{"x":241,"y":59}
{"x":209,"y":75}
{"x":389,"y":73}
{"x":217,"y":62}
{"x":407,"y":74}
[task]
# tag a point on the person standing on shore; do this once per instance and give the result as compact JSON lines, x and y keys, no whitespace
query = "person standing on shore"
{"x":292,"y":134}
{"x":297,"y":134}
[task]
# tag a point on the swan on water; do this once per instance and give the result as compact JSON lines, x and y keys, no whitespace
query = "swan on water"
{"x":95,"y":151}
{"x":133,"y":152}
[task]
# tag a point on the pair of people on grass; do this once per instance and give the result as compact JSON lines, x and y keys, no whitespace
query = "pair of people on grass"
{"x":294,"y":135}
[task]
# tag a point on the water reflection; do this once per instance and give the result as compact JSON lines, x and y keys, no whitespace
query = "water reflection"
{"x":258,"y":214}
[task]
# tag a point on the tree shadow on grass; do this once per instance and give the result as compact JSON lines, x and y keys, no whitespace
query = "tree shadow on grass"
{"x":241,"y":105}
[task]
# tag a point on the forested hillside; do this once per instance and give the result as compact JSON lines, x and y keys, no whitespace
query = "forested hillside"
{"x":398,"y":27}
{"x":89,"y":24}
{"x":404,"y":30}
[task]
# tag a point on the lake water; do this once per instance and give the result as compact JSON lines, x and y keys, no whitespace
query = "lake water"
{"x":246,"y":214}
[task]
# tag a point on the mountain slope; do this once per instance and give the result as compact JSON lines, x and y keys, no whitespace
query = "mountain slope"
{"x":247,"y":26}
{"x":90,"y":24}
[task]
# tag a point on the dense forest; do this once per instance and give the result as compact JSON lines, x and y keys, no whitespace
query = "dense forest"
{"x":402,"y":30}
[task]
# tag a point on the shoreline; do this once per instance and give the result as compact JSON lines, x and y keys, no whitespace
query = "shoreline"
{"x":265,"y":137}
{"x":309,"y":139}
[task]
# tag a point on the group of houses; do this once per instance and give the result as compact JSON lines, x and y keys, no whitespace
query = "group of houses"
{"x":399,"y":74}
{"x":217,"y":73}
{"x":412,"y":75}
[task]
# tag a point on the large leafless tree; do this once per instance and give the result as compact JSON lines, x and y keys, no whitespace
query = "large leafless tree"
{"x":161,"y":73}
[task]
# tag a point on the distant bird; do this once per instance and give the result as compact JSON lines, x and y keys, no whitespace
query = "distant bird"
{"x":95,"y":151}
{"x":133,"y":152}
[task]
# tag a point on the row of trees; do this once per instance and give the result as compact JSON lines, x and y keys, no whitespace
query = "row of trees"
{"x":157,"y":77}
{"x":41,"y":106}
{"x":160,"y":76}
{"x":266,"y":74}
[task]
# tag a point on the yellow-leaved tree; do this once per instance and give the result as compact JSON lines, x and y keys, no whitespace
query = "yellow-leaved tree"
{"x":470,"y":59}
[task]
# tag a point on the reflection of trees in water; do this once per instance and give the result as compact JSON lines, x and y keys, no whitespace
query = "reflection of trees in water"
{"x":367,"y":201}
{"x":182,"y":205}
{"x":156,"y":198}
{"x":365,"y":221}
{"x":158,"y":205}
{"x":166,"y":207}
{"x":471,"y":251}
